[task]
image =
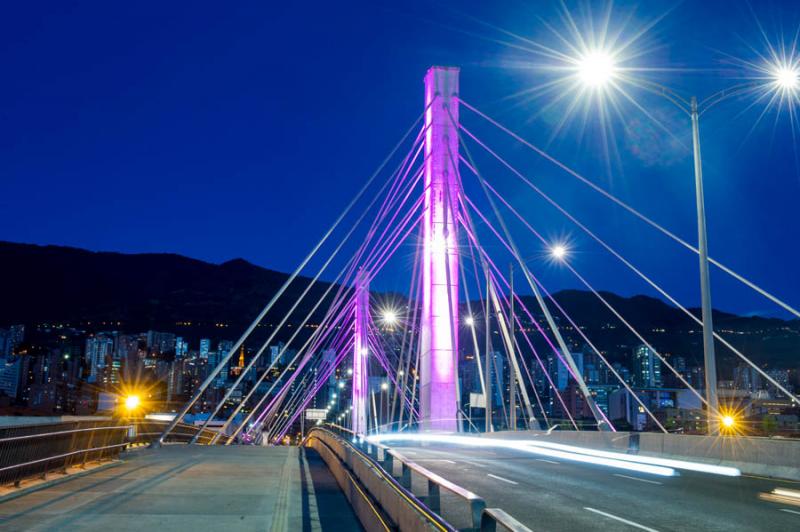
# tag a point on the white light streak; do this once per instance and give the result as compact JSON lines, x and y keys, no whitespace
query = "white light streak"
{"x":650,"y":460}
{"x":523,"y":447}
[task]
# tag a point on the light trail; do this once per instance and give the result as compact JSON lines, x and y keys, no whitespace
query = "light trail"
{"x":471,"y":441}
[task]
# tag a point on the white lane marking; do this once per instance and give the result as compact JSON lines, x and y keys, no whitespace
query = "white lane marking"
{"x":503,"y":479}
{"x":435,"y":460}
{"x":620,"y":519}
{"x":639,"y":479}
{"x":476,"y":464}
{"x":548,"y":461}
{"x":410,"y":452}
{"x":790,"y":511}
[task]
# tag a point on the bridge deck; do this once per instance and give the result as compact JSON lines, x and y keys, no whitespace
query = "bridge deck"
{"x":192,"y":488}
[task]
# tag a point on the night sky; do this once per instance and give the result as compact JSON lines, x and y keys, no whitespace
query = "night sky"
{"x":223,"y":130}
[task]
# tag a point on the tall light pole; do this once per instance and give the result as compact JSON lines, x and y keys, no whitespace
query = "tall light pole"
{"x":709,"y":355}
{"x":512,"y":382}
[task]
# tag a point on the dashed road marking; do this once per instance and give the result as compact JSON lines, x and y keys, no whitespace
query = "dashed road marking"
{"x":548,"y":461}
{"x":639,"y":479}
{"x":620,"y":519}
{"x":502,"y":479}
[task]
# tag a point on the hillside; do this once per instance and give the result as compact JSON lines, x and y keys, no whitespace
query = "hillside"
{"x":160,"y":291}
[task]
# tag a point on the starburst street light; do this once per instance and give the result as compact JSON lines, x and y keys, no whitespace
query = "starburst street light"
{"x":596,"y":68}
{"x":132,"y":402}
{"x":390,"y":317}
{"x":558,"y":251}
{"x":469,"y":321}
{"x":786,"y":77}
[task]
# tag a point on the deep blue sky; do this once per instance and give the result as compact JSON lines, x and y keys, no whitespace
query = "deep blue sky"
{"x":222,"y":130}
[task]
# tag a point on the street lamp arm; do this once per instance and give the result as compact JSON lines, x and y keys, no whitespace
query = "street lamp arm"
{"x":665,"y":92}
{"x":724,"y":94}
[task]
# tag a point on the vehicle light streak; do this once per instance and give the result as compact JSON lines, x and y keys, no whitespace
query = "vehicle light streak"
{"x":525,"y":447}
{"x":651,"y":460}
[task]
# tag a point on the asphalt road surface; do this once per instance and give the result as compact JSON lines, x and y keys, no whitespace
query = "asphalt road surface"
{"x":555,"y":494}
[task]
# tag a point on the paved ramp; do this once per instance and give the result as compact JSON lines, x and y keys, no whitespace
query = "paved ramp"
{"x":195,"y":488}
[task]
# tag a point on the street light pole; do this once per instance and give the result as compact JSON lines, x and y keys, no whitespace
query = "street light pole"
{"x":705,"y":286}
{"x":487,"y":394}
{"x":512,"y":384}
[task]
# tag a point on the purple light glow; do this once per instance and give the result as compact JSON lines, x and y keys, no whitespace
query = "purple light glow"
{"x":360,"y":354}
{"x":438,"y":341}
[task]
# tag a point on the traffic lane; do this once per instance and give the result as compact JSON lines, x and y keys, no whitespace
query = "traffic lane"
{"x":549,"y":492}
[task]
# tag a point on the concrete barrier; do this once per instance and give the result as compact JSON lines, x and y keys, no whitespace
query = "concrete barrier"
{"x":376,"y":498}
{"x":383,"y":487}
{"x":769,"y":457}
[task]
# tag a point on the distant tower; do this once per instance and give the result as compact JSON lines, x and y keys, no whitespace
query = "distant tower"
{"x":360,"y":354}
{"x":439,"y":338}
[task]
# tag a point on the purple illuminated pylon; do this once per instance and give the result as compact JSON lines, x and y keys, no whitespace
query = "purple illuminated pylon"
{"x":360,"y":354}
{"x":438,"y":369}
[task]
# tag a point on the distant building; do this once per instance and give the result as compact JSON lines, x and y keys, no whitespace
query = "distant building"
{"x":646,"y":368}
{"x":10,"y":339}
{"x":747,"y":378}
{"x":181,"y":348}
{"x":10,"y":375}
{"x":160,"y":343}
{"x":99,"y":348}
{"x":276,"y":355}
{"x":781,"y":376}
{"x":205,"y":348}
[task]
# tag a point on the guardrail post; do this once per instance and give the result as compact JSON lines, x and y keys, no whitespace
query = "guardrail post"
{"x":476,"y":507}
{"x":433,"y":500}
{"x":405,"y":476}
{"x":388,"y":462}
{"x":487,"y":524}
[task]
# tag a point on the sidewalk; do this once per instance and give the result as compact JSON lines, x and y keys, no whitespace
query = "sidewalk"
{"x":195,"y":488}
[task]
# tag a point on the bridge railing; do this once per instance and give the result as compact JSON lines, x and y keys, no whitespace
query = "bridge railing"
{"x":148,"y":430}
{"x":37,"y":450}
{"x":453,"y":506}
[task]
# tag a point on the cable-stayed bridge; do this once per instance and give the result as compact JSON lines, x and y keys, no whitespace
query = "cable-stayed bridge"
{"x":448,"y":407}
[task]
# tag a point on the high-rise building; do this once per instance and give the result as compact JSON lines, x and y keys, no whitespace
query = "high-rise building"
{"x":646,"y":368}
{"x":558,"y":371}
{"x":275,"y":355}
{"x":781,"y":376}
{"x":10,"y":339}
{"x":99,"y":348}
{"x":205,"y":348}
{"x":746,"y":378}
{"x":181,"y":348}
{"x":10,"y":375}
{"x":160,"y":343}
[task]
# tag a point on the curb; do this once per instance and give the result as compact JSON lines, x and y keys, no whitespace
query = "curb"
{"x":56,"y":481}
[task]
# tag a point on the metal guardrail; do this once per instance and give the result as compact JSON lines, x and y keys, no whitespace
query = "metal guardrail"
{"x":406,"y":475}
{"x":149,"y":430}
{"x":37,"y":450}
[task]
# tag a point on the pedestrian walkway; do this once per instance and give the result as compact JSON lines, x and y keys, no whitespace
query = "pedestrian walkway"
{"x":192,"y":488}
